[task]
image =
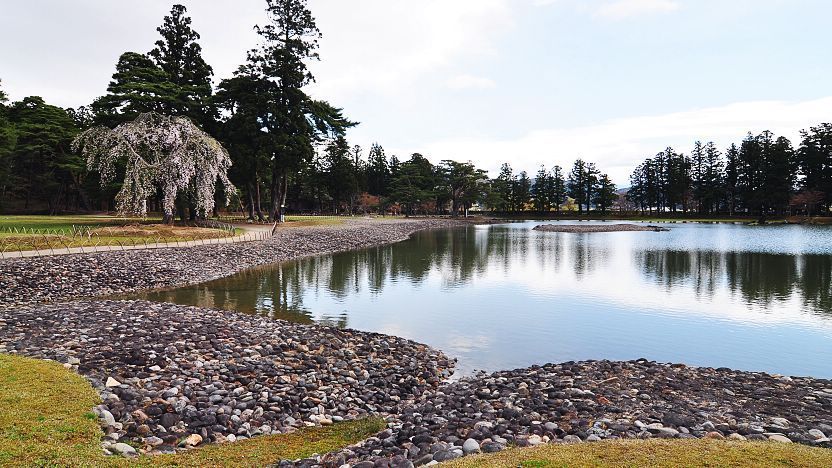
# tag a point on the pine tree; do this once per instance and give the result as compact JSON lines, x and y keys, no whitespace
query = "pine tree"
{"x":814,"y":162}
{"x":712,"y":179}
{"x":378,"y":171}
{"x":541,"y":190}
{"x":502,"y":189}
{"x":138,"y":86}
{"x":606,"y":194}
{"x":576,"y":185}
{"x":558,"y":188}
{"x":179,"y":55}
{"x":731,"y":182}
{"x":293,"y":120}
{"x":522,"y":191}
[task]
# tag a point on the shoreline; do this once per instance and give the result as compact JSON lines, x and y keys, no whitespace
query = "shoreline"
{"x":590,"y":228}
{"x":52,"y":279}
{"x":158,"y":393}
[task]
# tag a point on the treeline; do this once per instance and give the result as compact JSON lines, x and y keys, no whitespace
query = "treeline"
{"x":289,"y":150}
{"x":582,"y":189}
{"x":763,"y":176}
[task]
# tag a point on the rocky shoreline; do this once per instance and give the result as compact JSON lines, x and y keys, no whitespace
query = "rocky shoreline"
{"x":103,"y":274}
{"x":173,"y":377}
{"x":577,"y":402}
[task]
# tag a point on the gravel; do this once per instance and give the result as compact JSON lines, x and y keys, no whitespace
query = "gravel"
{"x":581,"y":402}
{"x":185,"y":375}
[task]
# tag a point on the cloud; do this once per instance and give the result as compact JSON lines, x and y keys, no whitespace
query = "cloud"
{"x":621,"y":9}
{"x":470,"y":82}
{"x":617,"y":9}
{"x":387,"y":45}
{"x":618,"y":145}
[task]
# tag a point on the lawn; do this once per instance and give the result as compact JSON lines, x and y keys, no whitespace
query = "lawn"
{"x":46,"y":420}
{"x":654,"y":453}
{"x":60,"y":222}
{"x":21,"y":233}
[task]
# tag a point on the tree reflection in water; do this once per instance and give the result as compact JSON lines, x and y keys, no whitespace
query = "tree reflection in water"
{"x":461,"y":256}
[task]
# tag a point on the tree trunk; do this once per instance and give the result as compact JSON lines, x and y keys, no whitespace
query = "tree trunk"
{"x":250,"y":207}
{"x":279,"y":187}
{"x":258,"y":207}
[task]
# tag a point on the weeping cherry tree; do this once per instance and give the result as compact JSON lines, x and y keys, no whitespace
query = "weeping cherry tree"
{"x":167,"y":154}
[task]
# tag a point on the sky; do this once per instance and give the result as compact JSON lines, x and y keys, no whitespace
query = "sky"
{"x":529,"y":82}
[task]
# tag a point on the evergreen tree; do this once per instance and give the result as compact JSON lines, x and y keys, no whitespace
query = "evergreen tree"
{"x":342,"y":175}
{"x":293,"y":121}
{"x":698,"y":165}
{"x":413,"y":183}
{"x":712,"y":179}
{"x":558,"y":192}
{"x":245,"y":99}
{"x":541,"y":190}
{"x":577,"y":183}
{"x":138,"y":86}
{"x":8,"y":139}
{"x":606,"y":194}
{"x":179,"y":55}
{"x":463,"y":183}
{"x":42,"y":165}
{"x":522,"y":191}
{"x":378,"y":171}
{"x":731,"y":186}
{"x":779,"y":179}
{"x":502,"y":189}
{"x":675,"y":168}
{"x":814,"y":160}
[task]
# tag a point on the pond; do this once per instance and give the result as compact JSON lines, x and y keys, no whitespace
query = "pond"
{"x":505,"y":296}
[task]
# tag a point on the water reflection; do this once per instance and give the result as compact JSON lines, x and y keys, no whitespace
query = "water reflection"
{"x":503,"y":296}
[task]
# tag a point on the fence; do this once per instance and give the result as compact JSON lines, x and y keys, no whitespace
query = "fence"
{"x":84,"y":239}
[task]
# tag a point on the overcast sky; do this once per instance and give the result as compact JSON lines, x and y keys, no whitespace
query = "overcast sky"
{"x":530,"y":82}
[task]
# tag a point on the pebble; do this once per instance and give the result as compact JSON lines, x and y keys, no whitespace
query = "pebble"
{"x":171,"y":373}
{"x":124,"y":449}
{"x":816,"y":434}
{"x":471,"y":446}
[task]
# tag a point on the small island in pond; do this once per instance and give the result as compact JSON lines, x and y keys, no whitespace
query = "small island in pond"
{"x":597,"y":228}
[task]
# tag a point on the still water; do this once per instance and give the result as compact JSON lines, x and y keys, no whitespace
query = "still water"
{"x":505,"y":296}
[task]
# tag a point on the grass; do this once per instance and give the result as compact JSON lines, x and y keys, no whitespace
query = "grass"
{"x":267,"y":450}
{"x":654,"y":453}
{"x":300,"y":221}
{"x":46,"y":420}
{"x":59,"y":232}
{"x":59,"y":222}
{"x":45,"y":415}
